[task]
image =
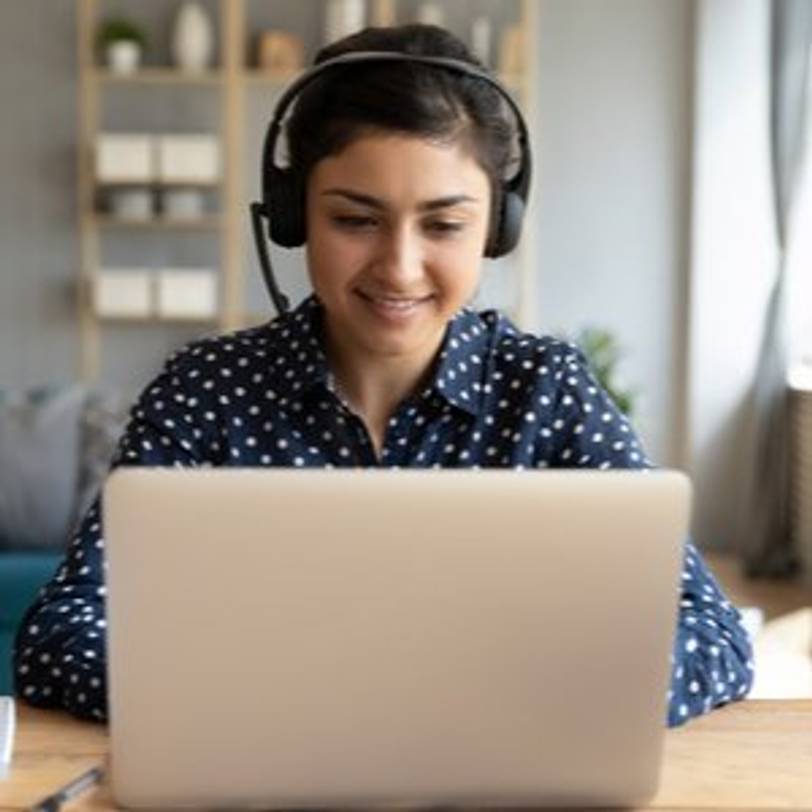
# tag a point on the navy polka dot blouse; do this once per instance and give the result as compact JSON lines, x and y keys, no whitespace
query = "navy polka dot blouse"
{"x":265,"y":396}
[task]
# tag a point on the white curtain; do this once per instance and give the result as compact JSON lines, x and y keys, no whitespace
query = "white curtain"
{"x":765,"y":534}
{"x":750,"y":63}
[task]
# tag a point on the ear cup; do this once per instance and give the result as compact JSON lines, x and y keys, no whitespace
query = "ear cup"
{"x":495,"y":225}
{"x":285,"y":207}
{"x":507,"y":226}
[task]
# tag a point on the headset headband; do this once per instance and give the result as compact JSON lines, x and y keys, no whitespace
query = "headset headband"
{"x":520,"y":183}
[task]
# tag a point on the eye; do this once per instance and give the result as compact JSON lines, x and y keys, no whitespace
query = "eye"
{"x":444,"y":228}
{"x":353,"y":222}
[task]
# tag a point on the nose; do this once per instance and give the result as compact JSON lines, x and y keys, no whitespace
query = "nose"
{"x":401,"y":258}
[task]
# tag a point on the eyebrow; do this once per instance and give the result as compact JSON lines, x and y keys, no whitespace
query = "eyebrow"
{"x":374,"y":203}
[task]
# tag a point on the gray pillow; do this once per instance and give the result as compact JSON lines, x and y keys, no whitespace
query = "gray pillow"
{"x":103,"y":421}
{"x":39,"y":466}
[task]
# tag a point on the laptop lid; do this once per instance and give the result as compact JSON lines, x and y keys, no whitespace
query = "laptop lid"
{"x":311,"y":638}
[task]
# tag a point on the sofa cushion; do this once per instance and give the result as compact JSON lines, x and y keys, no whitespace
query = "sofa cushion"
{"x":104,"y":418}
{"x":39,"y":466}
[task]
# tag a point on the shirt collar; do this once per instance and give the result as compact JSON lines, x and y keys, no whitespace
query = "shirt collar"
{"x":298,"y":345}
{"x":460,"y":370}
{"x":458,"y":376}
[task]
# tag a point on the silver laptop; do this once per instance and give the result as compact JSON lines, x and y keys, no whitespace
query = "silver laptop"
{"x":370,"y":638}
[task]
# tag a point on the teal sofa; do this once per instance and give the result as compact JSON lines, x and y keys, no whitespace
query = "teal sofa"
{"x":21,"y":575}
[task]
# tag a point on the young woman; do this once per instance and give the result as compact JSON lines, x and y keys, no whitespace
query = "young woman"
{"x":401,"y":169}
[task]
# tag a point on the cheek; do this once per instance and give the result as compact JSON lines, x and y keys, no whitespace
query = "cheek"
{"x":464,"y":257}
{"x":338,"y":255}
{"x":331,"y":261}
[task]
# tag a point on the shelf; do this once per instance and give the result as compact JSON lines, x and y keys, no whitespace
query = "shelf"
{"x":260,"y":77}
{"x":158,"y":184}
{"x":158,"y":76}
{"x":222,"y":100}
{"x":513,"y":81}
{"x":152,"y":321}
{"x":208,"y":223}
{"x":258,"y":319}
{"x":263,"y":78}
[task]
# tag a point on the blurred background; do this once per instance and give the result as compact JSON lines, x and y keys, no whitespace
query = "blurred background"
{"x":670,"y":225}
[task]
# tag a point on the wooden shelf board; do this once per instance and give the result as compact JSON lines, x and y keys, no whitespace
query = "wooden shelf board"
{"x":210,"y":222}
{"x":260,"y":76}
{"x":157,"y":183}
{"x":154,"y":321}
{"x":514,"y":81}
{"x":158,"y":76}
{"x":256,"y":319}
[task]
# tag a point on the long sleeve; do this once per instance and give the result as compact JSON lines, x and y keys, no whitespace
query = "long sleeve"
{"x":713,"y":655}
{"x":60,"y":648}
{"x":712,"y":659}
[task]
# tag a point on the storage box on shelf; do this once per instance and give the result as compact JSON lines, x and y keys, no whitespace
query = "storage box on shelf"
{"x":156,"y":179}
{"x":187,"y":293}
{"x":123,"y":293}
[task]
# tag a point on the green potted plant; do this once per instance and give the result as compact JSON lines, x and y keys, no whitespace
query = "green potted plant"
{"x":122,"y":42}
{"x":603,"y":352}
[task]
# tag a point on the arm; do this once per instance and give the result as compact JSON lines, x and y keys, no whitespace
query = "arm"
{"x":60,"y":648}
{"x":712,"y":660}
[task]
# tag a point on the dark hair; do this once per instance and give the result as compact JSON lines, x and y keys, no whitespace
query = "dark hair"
{"x":439,"y":105}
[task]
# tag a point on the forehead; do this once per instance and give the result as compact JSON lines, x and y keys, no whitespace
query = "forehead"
{"x":403,"y":166}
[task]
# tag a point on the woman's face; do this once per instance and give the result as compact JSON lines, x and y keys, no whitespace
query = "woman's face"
{"x":396,"y":229}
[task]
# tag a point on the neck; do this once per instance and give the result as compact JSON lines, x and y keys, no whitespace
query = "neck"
{"x":374,"y":386}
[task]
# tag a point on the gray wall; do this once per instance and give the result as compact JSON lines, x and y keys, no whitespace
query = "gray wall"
{"x":612,"y":147}
{"x":614,"y":186}
{"x":38,"y":338}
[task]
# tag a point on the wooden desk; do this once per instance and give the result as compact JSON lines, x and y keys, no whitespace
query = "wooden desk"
{"x":748,"y":755}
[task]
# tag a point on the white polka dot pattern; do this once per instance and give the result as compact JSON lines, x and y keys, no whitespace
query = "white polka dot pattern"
{"x":264,"y":397}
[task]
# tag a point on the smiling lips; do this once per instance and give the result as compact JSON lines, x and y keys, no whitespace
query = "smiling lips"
{"x":393,"y":307}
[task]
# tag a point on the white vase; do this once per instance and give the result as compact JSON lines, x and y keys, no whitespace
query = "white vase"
{"x":123,"y":56}
{"x":430,"y":14}
{"x":342,"y":18}
{"x":192,"y":38}
{"x":481,"y":39}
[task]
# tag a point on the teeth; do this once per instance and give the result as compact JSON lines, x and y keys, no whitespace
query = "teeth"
{"x":401,"y":303}
{"x":395,"y":304}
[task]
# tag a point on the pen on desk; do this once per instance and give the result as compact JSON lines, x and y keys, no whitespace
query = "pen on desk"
{"x":67,"y":793}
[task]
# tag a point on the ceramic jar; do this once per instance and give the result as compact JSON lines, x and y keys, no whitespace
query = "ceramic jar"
{"x":192,"y":37}
{"x":123,"y":56}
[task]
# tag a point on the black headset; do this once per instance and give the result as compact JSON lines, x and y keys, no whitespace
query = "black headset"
{"x":283,"y":203}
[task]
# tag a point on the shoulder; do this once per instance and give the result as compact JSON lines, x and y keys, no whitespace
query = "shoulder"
{"x":248,"y":356}
{"x":220,"y":371}
{"x":247,"y":343}
{"x":200,"y":373}
{"x":282,"y":338}
{"x":526,"y":355}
